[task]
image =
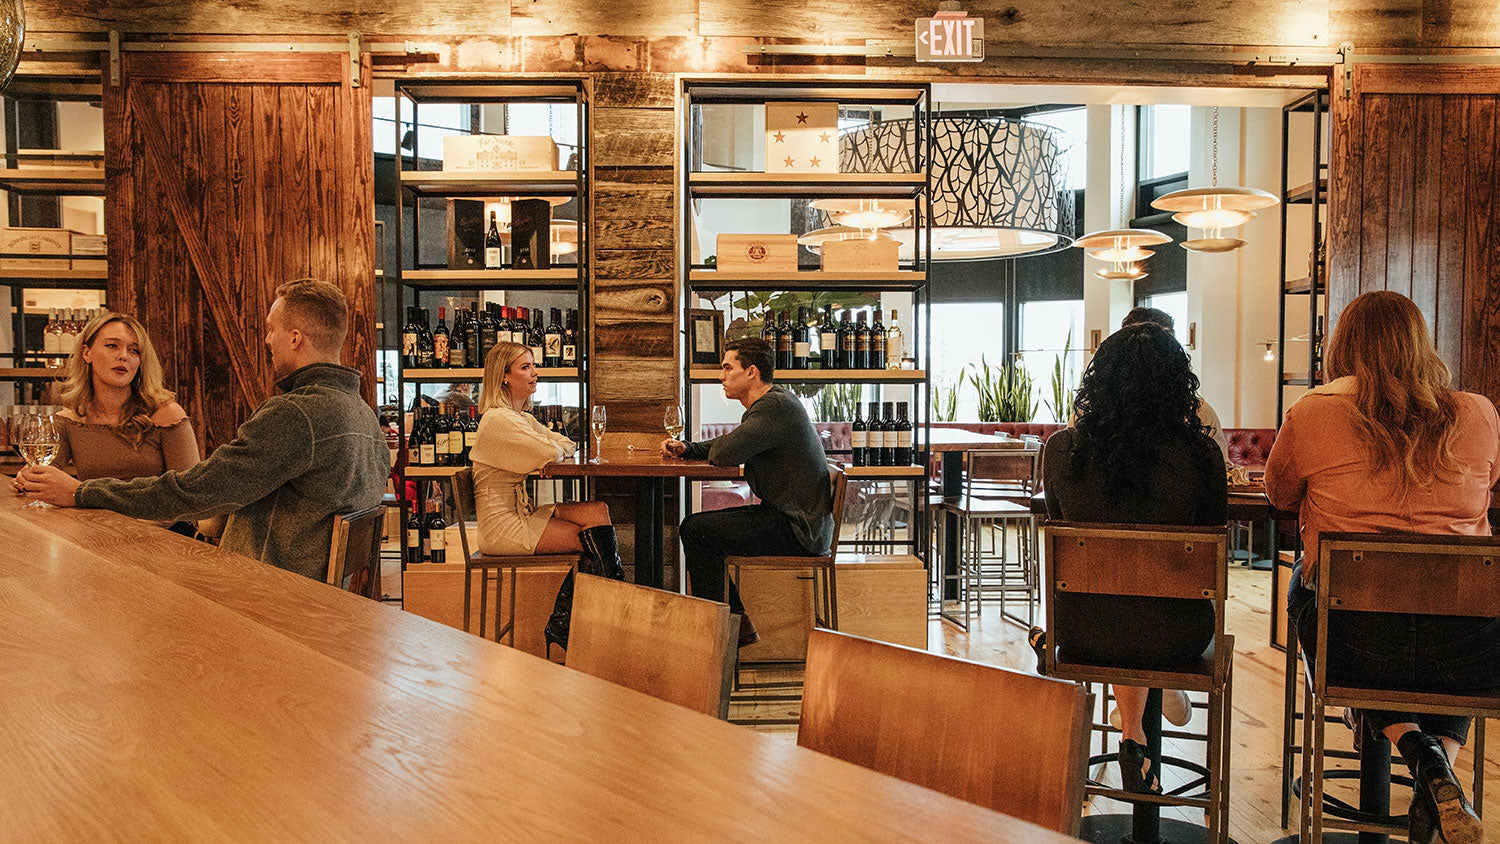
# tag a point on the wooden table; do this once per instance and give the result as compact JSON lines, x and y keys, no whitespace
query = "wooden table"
{"x":158,"y":689}
{"x":650,"y":471}
{"x":952,"y":443}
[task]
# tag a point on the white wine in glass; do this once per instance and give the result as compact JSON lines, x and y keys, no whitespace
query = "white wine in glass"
{"x":597,"y":419}
{"x":672,"y":421}
{"x":37,"y":438}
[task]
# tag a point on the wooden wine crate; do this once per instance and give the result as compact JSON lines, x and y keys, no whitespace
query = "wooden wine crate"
{"x":39,"y":242}
{"x":860,"y":254}
{"x":757,"y":252}
{"x":499,"y":152}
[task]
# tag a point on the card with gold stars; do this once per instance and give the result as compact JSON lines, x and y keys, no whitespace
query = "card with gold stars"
{"x":802,"y":137}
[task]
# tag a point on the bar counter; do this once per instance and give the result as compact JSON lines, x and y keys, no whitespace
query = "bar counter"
{"x":156,"y":688}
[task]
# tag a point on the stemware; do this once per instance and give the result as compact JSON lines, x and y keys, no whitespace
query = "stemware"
{"x":597,"y":418}
{"x":672,"y":421}
{"x":37,"y":438}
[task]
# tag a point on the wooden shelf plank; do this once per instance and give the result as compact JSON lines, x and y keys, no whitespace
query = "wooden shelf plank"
{"x":61,"y":181}
{"x":858,"y":472}
{"x":458,"y":374}
{"x":432,"y":471}
{"x":559,"y":278}
{"x":492,"y":182}
{"x":1302,"y":285}
{"x":735,"y":184}
{"x":54,"y":274}
{"x":828,"y":376}
{"x":1302,"y":194}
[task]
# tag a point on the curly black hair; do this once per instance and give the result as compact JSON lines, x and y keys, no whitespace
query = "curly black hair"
{"x":1137,"y":392}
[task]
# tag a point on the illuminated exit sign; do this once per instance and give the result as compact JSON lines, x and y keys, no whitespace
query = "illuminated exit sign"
{"x":950,"y":37}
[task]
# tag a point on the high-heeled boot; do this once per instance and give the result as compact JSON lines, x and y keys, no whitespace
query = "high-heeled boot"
{"x":600,"y":557}
{"x":1440,"y":810}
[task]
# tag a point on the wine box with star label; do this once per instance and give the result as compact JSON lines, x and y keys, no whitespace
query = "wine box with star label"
{"x":757,"y":252}
{"x":802,"y":138}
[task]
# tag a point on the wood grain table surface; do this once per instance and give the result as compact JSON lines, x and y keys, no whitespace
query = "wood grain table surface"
{"x":640,"y":463}
{"x":954,"y":439}
{"x":156,"y":688}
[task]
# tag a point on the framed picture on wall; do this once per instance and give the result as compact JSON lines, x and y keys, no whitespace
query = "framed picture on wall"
{"x":706,"y":335}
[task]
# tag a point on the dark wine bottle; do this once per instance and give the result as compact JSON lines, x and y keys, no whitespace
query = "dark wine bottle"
{"x":414,"y":436}
{"x":441,"y":427}
{"x":903,"y":436}
{"x":471,"y":434}
{"x":409,"y":340}
{"x":877,"y":341}
{"x":784,"y":343}
{"x":437,"y":539}
{"x":458,"y":343}
{"x":455,"y":436}
{"x":425,"y":356}
{"x":552,"y":340}
{"x":857,"y":438}
{"x":828,"y":341}
{"x":473,"y":334}
{"x":440,"y":340}
{"x":536,"y":339}
{"x":768,"y":332}
{"x":429,"y":444}
{"x":888,"y":436}
{"x":801,"y":340}
{"x":414,"y":531}
{"x":861,"y":343}
{"x":492,"y":251}
{"x":570,"y":340}
{"x":517,"y":319}
{"x":846,"y":342}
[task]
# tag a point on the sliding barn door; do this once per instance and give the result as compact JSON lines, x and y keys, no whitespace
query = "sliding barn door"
{"x":229,"y":174}
{"x":1415,"y":180}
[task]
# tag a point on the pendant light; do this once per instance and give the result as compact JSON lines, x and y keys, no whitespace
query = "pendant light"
{"x":1214,"y":208}
{"x":1122,"y":249}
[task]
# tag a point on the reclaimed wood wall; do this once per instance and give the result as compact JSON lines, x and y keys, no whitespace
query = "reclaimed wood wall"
{"x":1415,"y":181}
{"x":229,"y":174}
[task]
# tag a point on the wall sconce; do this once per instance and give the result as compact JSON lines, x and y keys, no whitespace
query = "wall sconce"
{"x":1270,"y":355}
{"x":1192,"y":342}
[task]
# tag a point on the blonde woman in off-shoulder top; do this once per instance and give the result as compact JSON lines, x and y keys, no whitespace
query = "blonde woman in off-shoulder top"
{"x":511,"y":445}
{"x":118,"y":420}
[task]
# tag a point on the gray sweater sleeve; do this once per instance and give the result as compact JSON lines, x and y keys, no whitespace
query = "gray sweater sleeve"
{"x":271,"y":448}
{"x":759,"y":430}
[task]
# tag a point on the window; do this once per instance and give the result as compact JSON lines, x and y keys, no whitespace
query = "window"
{"x":1174,"y":304}
{"x":1047,"y":330}
{"x":1166,"y":135}
{"x":963,"y":333}
{"x":438,"y":119}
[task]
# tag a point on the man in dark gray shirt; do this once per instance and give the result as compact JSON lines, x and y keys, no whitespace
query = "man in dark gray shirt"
{"x":786,"y":468}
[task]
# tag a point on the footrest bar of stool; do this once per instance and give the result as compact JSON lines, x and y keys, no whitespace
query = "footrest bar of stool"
{"x":1340,"y":813}
{"x":1094,"y":789}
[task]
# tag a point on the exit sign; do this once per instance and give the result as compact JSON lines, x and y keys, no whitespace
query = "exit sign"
{"x":950,"y":37}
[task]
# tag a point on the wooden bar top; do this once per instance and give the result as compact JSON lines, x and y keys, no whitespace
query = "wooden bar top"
{"x":954,"y":439}
{"x":640,"y":463}
{"x":156,"y":688}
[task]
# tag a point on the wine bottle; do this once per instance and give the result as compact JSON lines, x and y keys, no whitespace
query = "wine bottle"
{"x":513,"y":324}
{"x":471,"y":435}
{"x":895,"y":344}
{"x":455,"y":437}
{"x":903,"y":436}
{"x":51,"y":335}
{"x":769,"y":333}
{"x":425,"y":356}
{"x":409,"y":340}
{"x":861,"y":343}
{"x":846,"y":342}
{"x":877,"y":342}
{"x":440,"y":338}
{"x":473,"y":334}
{"x":857,"y":438}
{"x":414,"y":436}
{"x":552,"y":340}
{"x":828,"y":341}
{"x":801,"y":340}
{"x":570,"y":340}
{"x":414,"y":531}
{"x":888,"y":436}
{"x":429,"y":444}
{"x":441,"y":428}
{"x":784,"y":343}
{"x":537,"y":339}
{"x":437,"y":534}
{"x":458,"y":343}
{"x":492,"y":251}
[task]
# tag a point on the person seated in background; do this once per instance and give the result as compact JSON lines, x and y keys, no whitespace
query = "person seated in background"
{"x":511,"y":445}
{"x":306,"y":455}
{"x":1137,"y":454}
{"x":118,"y":419}
{"x":1386,"y":445}
{"x":785,"y":466}
{"x":1206,"y":414}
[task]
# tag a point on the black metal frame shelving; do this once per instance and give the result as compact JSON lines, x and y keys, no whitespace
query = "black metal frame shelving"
{"x":912,"y":276}
{"x":1314,"y":286}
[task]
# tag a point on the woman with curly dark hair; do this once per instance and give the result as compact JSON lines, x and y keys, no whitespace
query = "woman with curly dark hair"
{"x":1137,"y":454}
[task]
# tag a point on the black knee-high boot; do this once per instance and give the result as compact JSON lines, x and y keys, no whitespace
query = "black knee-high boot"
{"x":601,"y":557}
{"x":1440,"y":810}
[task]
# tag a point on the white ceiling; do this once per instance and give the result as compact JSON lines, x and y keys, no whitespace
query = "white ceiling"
{"x":991,"y":95}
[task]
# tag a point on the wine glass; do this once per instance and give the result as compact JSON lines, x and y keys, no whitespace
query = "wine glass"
{"x":596,"y":425}
{"x":37,"y":439}
{"x":672,"y":421}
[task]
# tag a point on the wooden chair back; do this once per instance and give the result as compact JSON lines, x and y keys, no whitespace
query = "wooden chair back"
{"x":354,"y":556}
{"x":1009,"y":741}
{"x":1424,"y":574}
{"x":1017,"y":466}
{"x":673,"y":647}
{"x":463,"y":504}
{"x":839,"y":487}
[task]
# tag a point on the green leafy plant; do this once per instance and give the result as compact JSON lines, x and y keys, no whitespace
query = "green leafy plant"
{"x":1061,"y":405}
{"x":837,"y":402}
{"x":945,"y":399}
{"x":1004,"y":392}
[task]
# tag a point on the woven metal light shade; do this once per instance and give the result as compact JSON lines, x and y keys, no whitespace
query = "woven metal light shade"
{"x":999,"y":187}
{"x":12,"y":36}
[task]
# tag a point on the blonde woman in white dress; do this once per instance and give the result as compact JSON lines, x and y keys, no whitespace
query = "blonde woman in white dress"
{"x":510,"y":446}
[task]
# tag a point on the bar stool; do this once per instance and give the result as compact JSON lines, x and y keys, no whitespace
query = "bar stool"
{"x":1160,"y":562}
{"x":997,"y":493}
{"x":1420,"y":574}
{"x":493,"y":565}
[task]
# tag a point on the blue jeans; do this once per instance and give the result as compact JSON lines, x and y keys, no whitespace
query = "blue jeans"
{"x":1402,"y":651}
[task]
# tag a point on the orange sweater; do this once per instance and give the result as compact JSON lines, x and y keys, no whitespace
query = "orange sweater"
{"x":1321,"y":465}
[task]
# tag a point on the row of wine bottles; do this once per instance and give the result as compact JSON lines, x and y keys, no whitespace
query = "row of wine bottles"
{"x":441,"y":436}
{"x":427,"y":535}
{"x":881,"y":440}
{"x":845,"y":344}
{"x":475,"y":332}
{"x":63,"y":331}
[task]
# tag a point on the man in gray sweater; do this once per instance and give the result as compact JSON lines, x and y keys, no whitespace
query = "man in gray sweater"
{"x":786,"y":468}
{"x":305,"y":455}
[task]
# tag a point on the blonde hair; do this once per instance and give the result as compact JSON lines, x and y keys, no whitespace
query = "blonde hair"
{"x":148,"y":392}
{"x":497,"y":362}
{"x":1404,"y":407}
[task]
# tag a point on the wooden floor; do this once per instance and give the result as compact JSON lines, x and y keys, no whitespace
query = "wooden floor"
{"x":1254,"y":814}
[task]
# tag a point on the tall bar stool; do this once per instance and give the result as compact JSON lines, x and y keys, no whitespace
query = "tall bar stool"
{"x":354,"y":555}
{"x":997,"y":495}
{"x":1160,"y":562}
{"x":494,"y":566}
{"x":1421,"y":574}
